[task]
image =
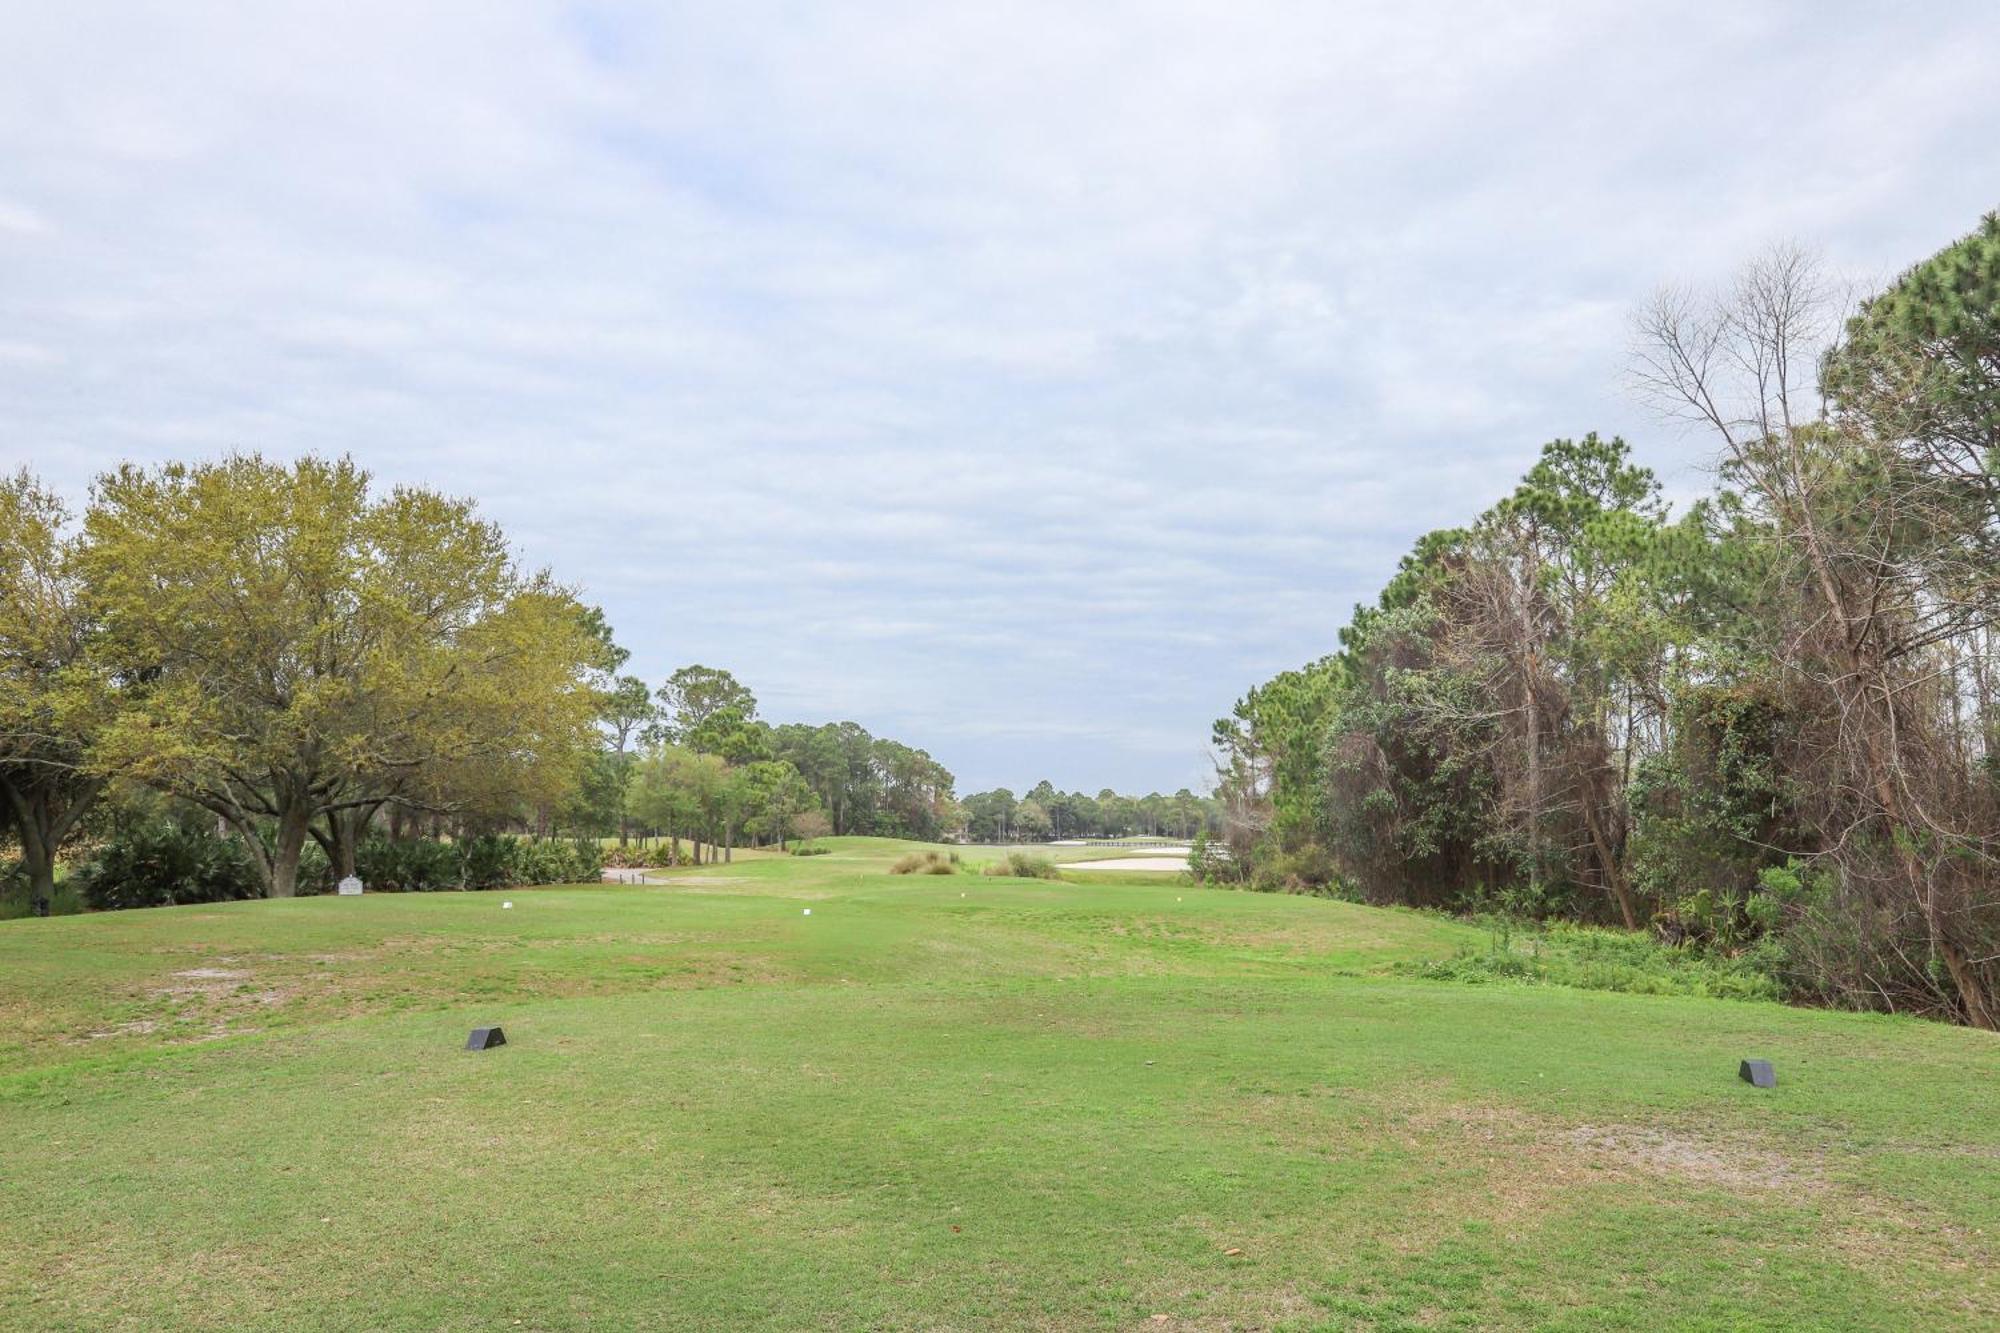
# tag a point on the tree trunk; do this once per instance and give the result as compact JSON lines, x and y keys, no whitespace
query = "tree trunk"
{"x":1980,"y":1011}
{"x":342,"y":837}
{"x":43,"y":823}
{"x":284,"y":863}
{"x":39,"y":859}
{"x":1614,"y":869}
{"x":1534,"y":757}
{"x":346,"y":836}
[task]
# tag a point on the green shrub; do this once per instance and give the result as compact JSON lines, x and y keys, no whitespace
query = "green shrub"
{"x":1560,"y":953}
{"x":160,"y":864}
{"x":408,"y":865}
{"x":1023,"y":865}
{"x":808,"y":849}
{"x":541,"y":863}
{"x":1203,"y":864}
{"x":587,"y":861}
{"x":15,"y":901}
{"x":487,"y":862}
{"x":1310,"y":869}
{"x":552,"y":861}
{"x":548,"y":862}
{"x":315,"y":871}
{"x":925,"y":863}
{"x":663,"y":852}
{"x":634,"y":856}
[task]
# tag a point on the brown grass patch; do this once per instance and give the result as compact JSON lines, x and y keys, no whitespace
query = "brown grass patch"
{"x":1672,"y":1152}
{"x":1514,"y":1168}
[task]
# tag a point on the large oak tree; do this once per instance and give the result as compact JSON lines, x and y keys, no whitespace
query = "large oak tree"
{"x":310,"y":649}
{"x":53,"y":698}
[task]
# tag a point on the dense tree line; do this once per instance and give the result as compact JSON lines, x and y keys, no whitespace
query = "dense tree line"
{"x":336,"y":677}
{"x":1045,"y":813}
{"x":692,"y":760}
{"x":1767,"y":723}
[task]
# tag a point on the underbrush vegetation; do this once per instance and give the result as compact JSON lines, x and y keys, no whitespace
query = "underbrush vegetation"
{"x":634,"y":857}
{"x":163,"y":864}
{"x":491,"y":861}
{"x":1561,"y":953}
{"x":1023,"y":865}
{"x":166,"y":864}
{"x":17,"y":899}
{"x":925,"y":863}
{"x":1309,"y":869}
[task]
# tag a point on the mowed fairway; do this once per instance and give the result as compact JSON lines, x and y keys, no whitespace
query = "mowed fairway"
{"x":945,"y":1102}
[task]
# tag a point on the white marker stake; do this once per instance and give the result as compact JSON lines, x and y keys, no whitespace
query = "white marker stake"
{"x":809,"y":911}
{"x":506,"y":905}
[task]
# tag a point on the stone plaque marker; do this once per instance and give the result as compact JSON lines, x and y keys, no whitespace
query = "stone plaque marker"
{"x":485,"y":1039}
{"x":349,"y":887}
{"x":1758,"y":1072}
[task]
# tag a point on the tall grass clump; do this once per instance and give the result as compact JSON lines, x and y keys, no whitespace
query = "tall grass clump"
{"x":925,"y":863}
{"x":1023,"y":865}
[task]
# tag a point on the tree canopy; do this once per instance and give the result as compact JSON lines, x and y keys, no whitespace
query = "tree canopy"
{"x":304,"y":649}
{"x":55,"y":696}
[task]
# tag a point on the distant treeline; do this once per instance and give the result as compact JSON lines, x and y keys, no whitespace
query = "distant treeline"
{"x":1045,"y":814}
{"x":708,"y":769}
{"x":1764,"y":726}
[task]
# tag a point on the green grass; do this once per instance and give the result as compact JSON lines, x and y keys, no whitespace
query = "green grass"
{"x":946,"y":1102}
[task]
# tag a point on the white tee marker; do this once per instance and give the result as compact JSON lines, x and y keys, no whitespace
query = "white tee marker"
{"x":504,"y":906}
{"x":809,"y":911}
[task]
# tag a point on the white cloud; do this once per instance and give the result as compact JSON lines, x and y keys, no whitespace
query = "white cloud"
{"x":1022,"y":381}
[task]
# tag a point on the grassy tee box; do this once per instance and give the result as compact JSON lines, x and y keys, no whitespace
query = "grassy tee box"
{"x":945,"y":1101}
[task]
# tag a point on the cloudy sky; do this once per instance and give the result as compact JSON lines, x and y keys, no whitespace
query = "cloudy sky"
{"x":1020,"y":380}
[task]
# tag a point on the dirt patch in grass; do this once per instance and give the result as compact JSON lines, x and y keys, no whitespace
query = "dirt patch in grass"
{"x":202,"y":1004}
{"x":1528,"y":1159}
{"x":137,"y":1027}
{"x":1672,"y":1152}
{"x":1512,"y":1167}
{"x":203,"y":996}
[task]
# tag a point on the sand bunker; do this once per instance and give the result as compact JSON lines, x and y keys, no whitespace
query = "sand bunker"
{"x":1162,"y":864}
